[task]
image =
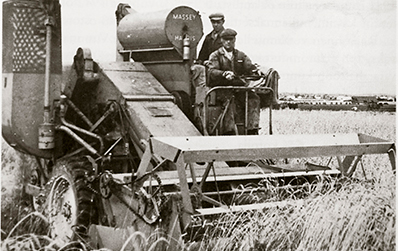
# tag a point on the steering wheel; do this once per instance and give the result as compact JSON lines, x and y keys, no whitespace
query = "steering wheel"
{"x":253,"y":77}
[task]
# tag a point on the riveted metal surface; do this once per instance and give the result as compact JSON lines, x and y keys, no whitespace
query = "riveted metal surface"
{"x":24,"y":43}
{"x":24,"y":38}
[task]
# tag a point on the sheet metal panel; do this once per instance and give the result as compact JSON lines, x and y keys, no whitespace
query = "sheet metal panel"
{"x":24,"y":63}
{"x":132,"y":78}
{"x":160,"y":29}
{"x":159,"y":119}
{"x":150,"y":107}
{"x":227,"y":148}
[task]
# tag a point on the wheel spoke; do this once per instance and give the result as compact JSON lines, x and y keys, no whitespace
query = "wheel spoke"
{"x":70,"y":200}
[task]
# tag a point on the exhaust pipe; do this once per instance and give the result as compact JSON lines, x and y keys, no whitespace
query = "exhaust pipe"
{"x":47,"y":129}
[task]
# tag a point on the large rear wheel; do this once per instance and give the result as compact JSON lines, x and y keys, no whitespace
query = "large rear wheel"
{"x":71,"y":203}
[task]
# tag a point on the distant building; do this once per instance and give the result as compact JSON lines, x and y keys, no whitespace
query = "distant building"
{"x":344,"y":98}
{"x":364,"y":99}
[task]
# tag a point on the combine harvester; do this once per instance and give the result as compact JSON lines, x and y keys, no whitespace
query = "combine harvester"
{"x":124,"y":147}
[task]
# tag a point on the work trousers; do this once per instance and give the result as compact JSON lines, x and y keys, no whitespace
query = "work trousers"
{"x":234,"y":119}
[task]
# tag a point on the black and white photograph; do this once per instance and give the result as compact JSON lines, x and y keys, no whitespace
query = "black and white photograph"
{"x":187,"y":125}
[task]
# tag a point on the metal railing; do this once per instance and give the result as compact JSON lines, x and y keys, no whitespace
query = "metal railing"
{"x":235,"y":89}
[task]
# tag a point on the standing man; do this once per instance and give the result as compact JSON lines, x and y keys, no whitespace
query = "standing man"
{"x":212,"y":40}
{"x":226,"y":66}
{"x":211,"y":43}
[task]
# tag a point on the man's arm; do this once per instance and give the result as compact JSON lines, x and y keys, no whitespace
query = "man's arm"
{"x":219,"y":75}
{"x":215,"y":73}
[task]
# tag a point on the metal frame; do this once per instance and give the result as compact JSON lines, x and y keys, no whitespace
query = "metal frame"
{"x":237,"y":89}
{"x":186,"y":151}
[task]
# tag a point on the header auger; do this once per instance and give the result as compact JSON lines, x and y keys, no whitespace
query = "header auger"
{"x":125,"y":151}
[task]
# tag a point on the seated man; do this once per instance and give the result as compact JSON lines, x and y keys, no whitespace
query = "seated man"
{"x":226,"y":66}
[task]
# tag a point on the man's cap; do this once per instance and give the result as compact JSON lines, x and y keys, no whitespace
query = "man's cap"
{"x":228,"y":33}
{"x":216,"y":16}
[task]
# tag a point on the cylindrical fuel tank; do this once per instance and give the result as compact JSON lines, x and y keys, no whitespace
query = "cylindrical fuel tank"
{"x":162,"y":29}
{"x":24,"y":60}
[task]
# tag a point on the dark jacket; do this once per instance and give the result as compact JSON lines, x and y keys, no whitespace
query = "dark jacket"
{"x":219,"y":63}
{"x":209,"y":45}
{"x":234,"y":116}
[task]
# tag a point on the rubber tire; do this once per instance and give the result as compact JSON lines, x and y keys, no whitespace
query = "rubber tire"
{"x":76,"y":171}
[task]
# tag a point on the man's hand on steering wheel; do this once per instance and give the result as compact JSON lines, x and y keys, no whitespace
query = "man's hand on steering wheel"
{"x":228,"y":75}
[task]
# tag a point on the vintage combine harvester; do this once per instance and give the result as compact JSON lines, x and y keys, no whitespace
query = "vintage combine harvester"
{"x":117,"y":145}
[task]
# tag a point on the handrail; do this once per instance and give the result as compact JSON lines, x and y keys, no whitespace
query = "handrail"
{"x":235,"y":88}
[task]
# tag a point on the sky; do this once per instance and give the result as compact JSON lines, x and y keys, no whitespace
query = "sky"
{"x":317,"y":46}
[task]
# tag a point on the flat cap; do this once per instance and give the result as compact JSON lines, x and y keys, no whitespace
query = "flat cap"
{"x":228,"y":33}
{"x":216,"y":16}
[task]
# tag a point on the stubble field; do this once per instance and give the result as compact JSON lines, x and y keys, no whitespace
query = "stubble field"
{"x":360,"y":215}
